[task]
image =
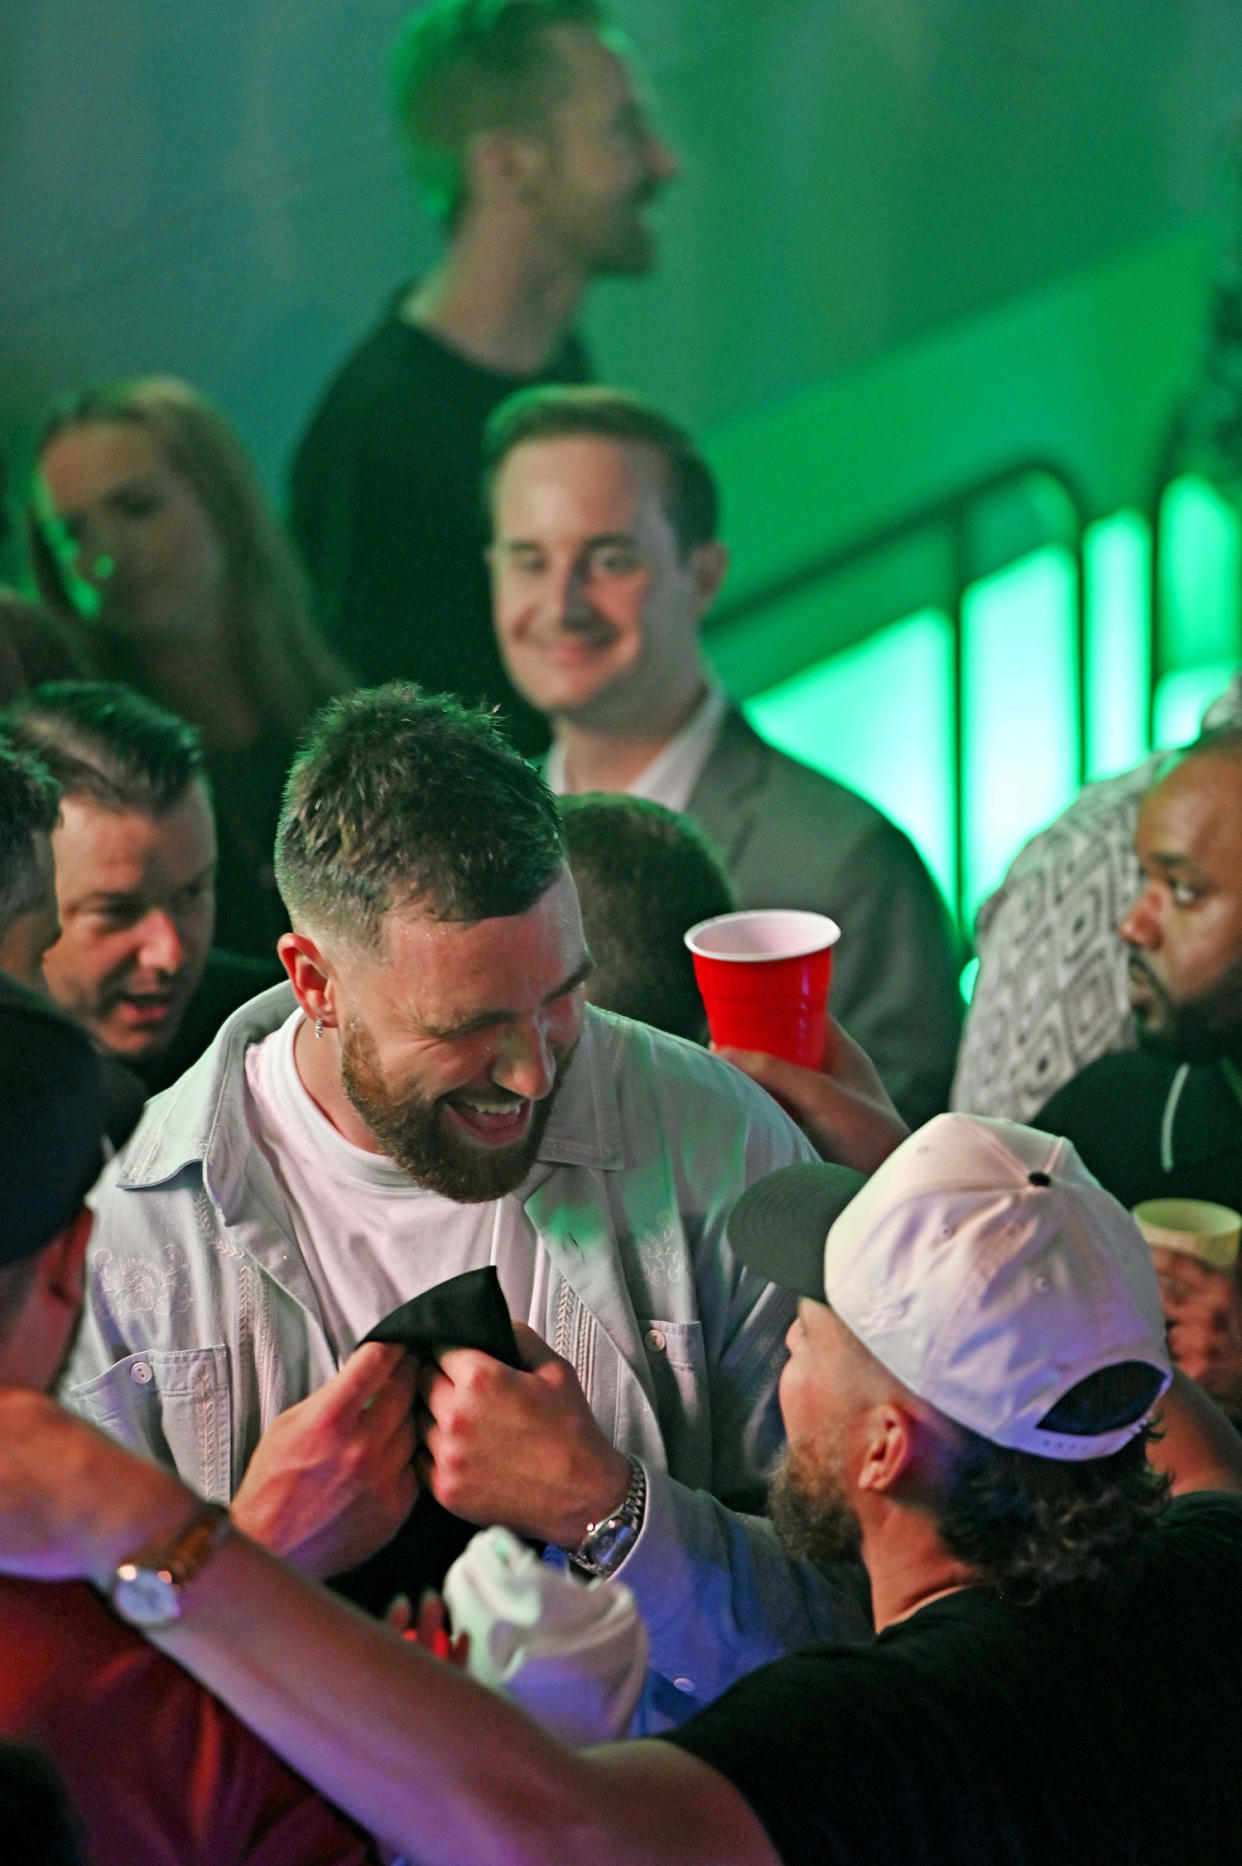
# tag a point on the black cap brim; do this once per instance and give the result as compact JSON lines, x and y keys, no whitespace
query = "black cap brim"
{"x":778,"y":1226}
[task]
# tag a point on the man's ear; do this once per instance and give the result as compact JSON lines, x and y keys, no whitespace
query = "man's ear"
{"x":505,"y":165}
{"x":311,"y":975}
{"x":62,"y":1263}
{"x":709,"y":564}
{"x":886,"y":1447}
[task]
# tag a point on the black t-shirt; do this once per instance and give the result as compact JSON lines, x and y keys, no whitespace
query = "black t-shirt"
{"x":1122,"y":1112}
{"x":387,"y":515}
{"x":1100,"y":1726}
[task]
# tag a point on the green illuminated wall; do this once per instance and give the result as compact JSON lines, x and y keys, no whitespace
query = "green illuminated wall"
{"x":879,"y":715}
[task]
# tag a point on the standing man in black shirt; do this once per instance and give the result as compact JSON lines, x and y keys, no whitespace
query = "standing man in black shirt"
{"x":530,"y":143}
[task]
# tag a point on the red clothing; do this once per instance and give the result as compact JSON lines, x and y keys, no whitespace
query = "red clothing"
{"x":161,"y":1773}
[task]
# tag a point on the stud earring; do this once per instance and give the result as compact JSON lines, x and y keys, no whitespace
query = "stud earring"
{"x":319,"y":1026}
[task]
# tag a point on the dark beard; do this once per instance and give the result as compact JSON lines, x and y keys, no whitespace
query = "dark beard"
{"x":810,"y":1510}
{"x":414,"y":1134}
{"x":1198,"y":1030}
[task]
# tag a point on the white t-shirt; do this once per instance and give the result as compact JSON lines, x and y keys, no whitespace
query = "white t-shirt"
{"x":371,"y":1238}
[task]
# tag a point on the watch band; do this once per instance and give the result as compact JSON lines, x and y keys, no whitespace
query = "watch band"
{"x":607,"y":1543}
{"x":146,"y":1588}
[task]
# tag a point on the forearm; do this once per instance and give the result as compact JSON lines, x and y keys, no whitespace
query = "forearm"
{"x":423,"y":1757}
{"x":433,"y":1764}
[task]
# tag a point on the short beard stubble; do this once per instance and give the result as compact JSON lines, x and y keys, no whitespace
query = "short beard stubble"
{"x":809,"y":1505}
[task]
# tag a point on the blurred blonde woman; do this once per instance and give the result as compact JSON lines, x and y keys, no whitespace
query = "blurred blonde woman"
{"x":150,"y":537}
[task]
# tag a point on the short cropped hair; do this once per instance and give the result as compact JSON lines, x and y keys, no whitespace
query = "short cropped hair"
{"x":460,"y":67}
{"x":644,"y":875}
{"x":557,"y":411}
{"x":29,"y":807}
{"x":101,"y":740}
{"x":1029,"y":1524}
{"x":401,"y":799}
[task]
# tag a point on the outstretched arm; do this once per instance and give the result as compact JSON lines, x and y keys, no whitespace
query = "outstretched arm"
{"x":431,"y":1763}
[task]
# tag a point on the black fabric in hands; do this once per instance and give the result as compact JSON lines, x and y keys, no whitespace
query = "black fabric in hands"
{"x":466,"y":1311}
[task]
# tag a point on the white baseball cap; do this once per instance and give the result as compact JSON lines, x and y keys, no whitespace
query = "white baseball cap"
{"x":984,"y":1267}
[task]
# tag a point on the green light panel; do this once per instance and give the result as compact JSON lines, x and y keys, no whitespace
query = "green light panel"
{"x":1183,"y":697}
{"x":1118,"y":556}
{"x":1201,"y":576}
{"x":878,"y":717}
{"x":1020,"y":753}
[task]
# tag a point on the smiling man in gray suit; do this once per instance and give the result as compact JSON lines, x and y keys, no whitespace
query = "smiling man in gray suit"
{"x":604,"y":561}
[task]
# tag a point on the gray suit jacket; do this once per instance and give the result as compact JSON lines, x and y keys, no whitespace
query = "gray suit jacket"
{"x":794,"y":838}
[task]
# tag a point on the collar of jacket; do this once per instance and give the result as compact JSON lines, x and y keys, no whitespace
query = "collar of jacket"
{"x":731,"y":784}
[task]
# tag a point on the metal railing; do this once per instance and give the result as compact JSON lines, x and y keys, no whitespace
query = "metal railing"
{"x":953,"y":515}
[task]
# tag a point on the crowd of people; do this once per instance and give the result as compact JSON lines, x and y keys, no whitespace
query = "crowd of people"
{"x":858,"y":1483}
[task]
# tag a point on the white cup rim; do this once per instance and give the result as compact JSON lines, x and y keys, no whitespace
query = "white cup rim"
{"x":1201,"y":1228}
{"x":810,"y":933}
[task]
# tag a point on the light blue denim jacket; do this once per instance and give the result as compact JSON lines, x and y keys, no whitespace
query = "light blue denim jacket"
{"x":202,"y":1324}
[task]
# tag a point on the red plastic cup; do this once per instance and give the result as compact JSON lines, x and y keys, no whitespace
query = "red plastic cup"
{"x":764,"y":977}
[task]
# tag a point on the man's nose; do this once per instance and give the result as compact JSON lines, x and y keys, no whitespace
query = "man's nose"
{"x":525,"y":1062}
{"x":568,"y":600}
{"x":1140,"y":924}
{"x":663,"y":163}
{"x":161,"y":947}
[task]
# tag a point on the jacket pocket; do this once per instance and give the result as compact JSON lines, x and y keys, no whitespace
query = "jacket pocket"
{"x":173,"y":1406}
{"x":678,"y":1364}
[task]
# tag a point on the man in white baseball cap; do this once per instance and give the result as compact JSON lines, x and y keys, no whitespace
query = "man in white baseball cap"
{"x":977,"y":1352}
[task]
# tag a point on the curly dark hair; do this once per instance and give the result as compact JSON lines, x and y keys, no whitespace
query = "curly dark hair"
{"x":401,"y":797}
{"x":1030,"y":1524}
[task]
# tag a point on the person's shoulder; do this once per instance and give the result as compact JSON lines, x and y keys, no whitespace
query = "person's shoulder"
{"x":697,"y":1091}
{"x":1144,"y":1072}
{"x":390,"y":351}
{"x":791,"y":784}
{"x":1205,"y":1512}
{"x":806,"y":810}
{"x":1195,"y":1556}
{"x":182,"y":1121}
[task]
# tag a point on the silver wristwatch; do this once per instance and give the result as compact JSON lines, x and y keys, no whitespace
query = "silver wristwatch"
{"x":146,"y":1589}
{"x":607,"y":1543}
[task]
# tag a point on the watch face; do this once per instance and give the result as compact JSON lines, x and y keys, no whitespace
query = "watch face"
{"x":610,"y":1543}
{"x":146,"y":1597}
